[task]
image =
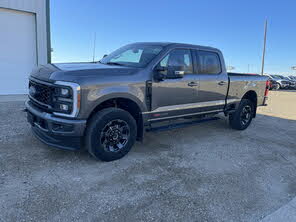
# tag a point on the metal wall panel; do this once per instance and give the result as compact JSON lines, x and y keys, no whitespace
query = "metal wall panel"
{"x":17,"y":50}
{"x":39,"y":7}
{"x":24,"y":42}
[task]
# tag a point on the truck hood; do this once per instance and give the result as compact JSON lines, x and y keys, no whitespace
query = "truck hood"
{"x":76,"y":72}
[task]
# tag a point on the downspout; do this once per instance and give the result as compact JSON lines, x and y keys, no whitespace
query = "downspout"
{"x":48,"y":31}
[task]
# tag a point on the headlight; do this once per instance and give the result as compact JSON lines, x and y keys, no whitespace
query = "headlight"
{"x":66,"y":99}
{"x":63,"y":91}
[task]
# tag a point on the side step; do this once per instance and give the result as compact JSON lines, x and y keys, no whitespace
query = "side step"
{"x":180,"y":125}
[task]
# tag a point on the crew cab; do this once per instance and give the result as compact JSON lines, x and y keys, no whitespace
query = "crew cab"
{"x":106,"y":106}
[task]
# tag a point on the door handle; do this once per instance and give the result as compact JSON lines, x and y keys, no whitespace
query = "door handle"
{"x":222,"y":83}
{"x":191,"y":84}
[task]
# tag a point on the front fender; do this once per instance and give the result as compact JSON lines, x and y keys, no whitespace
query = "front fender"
{"x":95,"y":97}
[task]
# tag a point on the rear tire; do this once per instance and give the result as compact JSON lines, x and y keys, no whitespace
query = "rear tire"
{"x":242,"y":117}
{"x":111,"y":134}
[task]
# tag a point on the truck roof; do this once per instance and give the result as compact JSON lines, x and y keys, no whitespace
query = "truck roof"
{"x":175,"y":44}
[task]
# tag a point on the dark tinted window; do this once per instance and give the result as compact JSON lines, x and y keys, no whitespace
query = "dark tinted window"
{"x":178,"y":60}
{"x":209,"y":63}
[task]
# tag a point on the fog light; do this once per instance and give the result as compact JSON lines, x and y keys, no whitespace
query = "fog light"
{"x":64,"y":107}
{"x":65,"y":92}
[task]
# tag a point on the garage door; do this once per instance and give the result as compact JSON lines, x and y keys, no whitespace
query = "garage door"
{"x":17,"y":50}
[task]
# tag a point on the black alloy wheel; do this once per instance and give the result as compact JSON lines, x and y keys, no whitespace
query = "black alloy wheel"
{"x":115,"y":135}
{"x":242,"y":117}
{"x":110,"y":134}
{"x":246,"y":115}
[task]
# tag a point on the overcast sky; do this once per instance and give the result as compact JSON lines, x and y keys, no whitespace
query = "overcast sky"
{"x":234,"y":26}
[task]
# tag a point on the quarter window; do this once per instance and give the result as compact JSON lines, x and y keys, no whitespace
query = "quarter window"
{"x":209,"y":63}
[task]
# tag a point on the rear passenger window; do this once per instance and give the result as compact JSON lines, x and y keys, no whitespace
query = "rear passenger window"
{"x":209,"y":63}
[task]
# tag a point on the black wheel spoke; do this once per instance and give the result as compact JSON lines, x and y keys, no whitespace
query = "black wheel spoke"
{"x":119,"y":145}
{"x":246,"y":115}
{"x":115,"y":135}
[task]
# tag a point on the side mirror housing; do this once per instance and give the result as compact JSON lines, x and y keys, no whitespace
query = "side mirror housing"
{"x":171,"y":73}
{"x":158,"y":74}
{"x":105,"y":55}
{"x":176,"y":72}
{"x":179,"y":74}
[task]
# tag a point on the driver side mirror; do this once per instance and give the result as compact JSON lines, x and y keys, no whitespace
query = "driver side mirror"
{"x":172,"y":72}
{"x":179,"y":74}
{"x":105,"y":55}
{"x":159,"y":73}
{"x":176,"y":72}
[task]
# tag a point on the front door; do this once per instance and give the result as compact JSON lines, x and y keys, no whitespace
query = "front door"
{"x":174,"y":96}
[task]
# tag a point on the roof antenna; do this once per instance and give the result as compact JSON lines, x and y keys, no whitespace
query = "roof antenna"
{"x":94,"y":50}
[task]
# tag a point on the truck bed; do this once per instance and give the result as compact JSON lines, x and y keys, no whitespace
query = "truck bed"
{"x":240,"y":84}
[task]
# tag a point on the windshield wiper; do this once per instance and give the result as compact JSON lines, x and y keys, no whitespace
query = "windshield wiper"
{"x":114,"y":63}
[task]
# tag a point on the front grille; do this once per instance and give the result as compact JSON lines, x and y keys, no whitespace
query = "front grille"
{"x":41,"y":93}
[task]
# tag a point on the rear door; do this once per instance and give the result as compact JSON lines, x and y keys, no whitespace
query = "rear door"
{"x":213,"y":80}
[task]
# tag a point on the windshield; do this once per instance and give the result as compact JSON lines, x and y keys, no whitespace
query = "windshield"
{"x":277,"y":76}
{"x":135,"y":55}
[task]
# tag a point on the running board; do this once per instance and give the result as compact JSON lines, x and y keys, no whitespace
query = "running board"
{"x":180,"y":125}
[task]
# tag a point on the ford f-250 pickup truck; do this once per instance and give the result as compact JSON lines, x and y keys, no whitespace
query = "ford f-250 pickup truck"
{"x":107,"y":105}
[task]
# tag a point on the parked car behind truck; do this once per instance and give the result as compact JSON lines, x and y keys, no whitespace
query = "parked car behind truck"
{"x":282,"y":82}
{"x":106,"y":106}
{"x":292,"y":82}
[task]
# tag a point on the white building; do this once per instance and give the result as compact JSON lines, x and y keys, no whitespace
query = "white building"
{"x":24,"y":42}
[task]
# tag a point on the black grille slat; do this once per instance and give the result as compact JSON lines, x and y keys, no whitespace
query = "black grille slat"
{"x":43,"y":94}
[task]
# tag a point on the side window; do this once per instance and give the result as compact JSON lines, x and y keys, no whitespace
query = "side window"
{"x":164,"y":62}
{"x":177,"y":60}
{"x":209,"y":63}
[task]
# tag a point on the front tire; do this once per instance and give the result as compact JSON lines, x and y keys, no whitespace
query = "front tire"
{"x":242,"y":117}
{"x":111,"y":134}
{"x":277,"y":86}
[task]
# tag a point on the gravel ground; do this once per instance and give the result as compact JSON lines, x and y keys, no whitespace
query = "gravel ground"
{"x":206,"y":172}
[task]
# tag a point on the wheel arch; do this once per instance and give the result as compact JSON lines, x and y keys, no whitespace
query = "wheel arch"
{"x":252,"y":96}
{"x":127,"y":103}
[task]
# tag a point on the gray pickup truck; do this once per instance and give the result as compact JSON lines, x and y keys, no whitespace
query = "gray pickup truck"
{"x":107,"y":105}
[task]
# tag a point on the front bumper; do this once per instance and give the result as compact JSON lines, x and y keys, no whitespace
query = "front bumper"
{"x":53,"y":131}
